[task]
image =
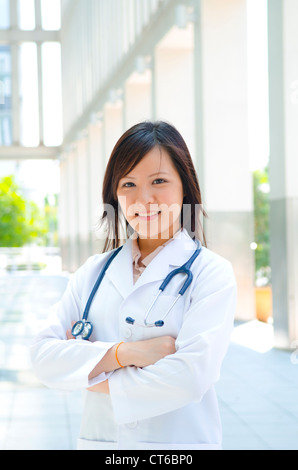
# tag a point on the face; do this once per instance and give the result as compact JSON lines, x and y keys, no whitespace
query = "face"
{"x":151,"y":196}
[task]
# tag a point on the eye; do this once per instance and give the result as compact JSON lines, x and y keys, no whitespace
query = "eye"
{"x":128,"y":185}
{"x":159,"y":181}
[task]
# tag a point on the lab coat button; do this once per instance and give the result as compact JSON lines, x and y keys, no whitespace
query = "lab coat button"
{"x":127,"y":333}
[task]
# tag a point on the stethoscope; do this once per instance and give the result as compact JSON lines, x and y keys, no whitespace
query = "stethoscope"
{"x":83,"y":328}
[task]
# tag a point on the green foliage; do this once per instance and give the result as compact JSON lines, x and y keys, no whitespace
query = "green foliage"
{"x":20,"y":220}
{"x":51,"y":221}
{"x":262,"y":207}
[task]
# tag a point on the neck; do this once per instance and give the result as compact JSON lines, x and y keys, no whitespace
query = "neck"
{"x":147,"y":245}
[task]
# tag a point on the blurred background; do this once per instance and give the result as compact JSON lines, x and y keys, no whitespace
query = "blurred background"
{"x":74,"y":75}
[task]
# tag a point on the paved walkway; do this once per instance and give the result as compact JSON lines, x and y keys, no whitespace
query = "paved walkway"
{"x":31,"y":416}
{"x":257,"y":392}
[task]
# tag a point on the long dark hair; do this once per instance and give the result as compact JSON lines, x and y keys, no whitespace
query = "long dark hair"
{"x":134,"y":144}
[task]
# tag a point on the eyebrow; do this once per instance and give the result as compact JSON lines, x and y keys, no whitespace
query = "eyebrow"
{"x":149,"y":176}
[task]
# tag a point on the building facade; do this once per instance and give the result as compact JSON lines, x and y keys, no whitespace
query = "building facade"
{"x":30,"y":95}
{"x":183,"y":61}
{"x":125,"y":61}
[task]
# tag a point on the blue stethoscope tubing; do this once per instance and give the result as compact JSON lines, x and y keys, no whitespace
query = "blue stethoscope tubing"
{"x":83,"y":329}
{"x":184,"y":269}
{"x":98,"y":282}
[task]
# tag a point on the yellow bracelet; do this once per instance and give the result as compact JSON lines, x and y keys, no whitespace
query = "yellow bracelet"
{"x":117,"y":354}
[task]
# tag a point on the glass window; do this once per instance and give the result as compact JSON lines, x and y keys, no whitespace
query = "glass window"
{"x":5,"y":96}
{"x":52,"y":93}
{"x":4,"y":14}
{"x":51,"y":15}
{"x":29,"y":112}
{"x":26,"y":14}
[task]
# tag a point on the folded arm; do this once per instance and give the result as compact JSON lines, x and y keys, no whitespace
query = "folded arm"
{"x":186,"y":375}
{"x":137,"y":354}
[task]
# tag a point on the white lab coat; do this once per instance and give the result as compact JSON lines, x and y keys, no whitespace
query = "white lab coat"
{"x":171,"y":404}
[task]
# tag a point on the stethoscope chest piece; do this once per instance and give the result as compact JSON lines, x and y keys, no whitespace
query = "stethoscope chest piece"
{"x":82,"y":329}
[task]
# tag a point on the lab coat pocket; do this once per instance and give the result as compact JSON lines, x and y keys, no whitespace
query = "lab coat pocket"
{"x":173,"y":320}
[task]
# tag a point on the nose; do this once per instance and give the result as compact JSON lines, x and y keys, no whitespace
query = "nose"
{"x":144,"y":196}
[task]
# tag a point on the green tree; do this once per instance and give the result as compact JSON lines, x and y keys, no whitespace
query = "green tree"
{"x":262,"y":207}
{"x":51,"y":220}
{"x":20,"y":220}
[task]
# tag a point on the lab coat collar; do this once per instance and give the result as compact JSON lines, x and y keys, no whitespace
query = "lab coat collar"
{"x":174,"y":254}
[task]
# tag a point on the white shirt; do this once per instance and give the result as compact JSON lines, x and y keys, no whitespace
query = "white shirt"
{"x":168,"y":405}
{"x":140,"y":266}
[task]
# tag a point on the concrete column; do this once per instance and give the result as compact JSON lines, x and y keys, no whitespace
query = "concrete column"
{"x":73,"y":198}
{"x":283,"y":98}
{"x":113,"y":128}
{"x":96,"y":174}
{"x":137,"y":99}
{"x":64,"y":212}
{"x":83,"y":227}
{"x":173,"y":87}
{"x":222,"y":119}
{"x":74,"y":206}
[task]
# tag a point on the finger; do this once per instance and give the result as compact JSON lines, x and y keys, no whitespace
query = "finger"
{"x":68,"y":332}
{"x":69,"y":335}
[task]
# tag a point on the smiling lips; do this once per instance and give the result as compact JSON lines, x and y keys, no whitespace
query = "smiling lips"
{"x":148,"y":215}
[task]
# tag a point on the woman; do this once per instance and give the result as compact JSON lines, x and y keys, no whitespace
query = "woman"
{"x":147,"y":387}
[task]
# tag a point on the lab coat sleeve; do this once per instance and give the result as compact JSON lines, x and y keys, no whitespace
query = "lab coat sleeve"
{"x":66,"y":364}
{"x":185,"y":376}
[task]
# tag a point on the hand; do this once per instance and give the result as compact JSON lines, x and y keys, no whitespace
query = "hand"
{"x":148,"y":352}
{"x":138,"y":354}
{"x":68,"y":333}
{"x":102,"y":387}
{"x":70,"y":336}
